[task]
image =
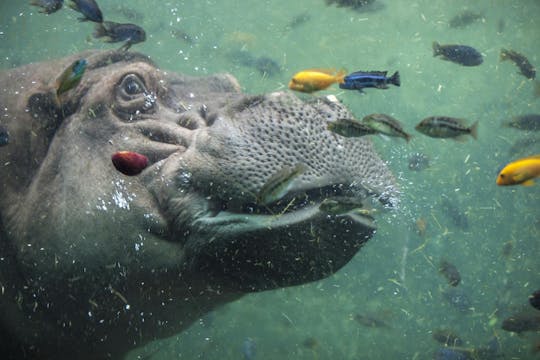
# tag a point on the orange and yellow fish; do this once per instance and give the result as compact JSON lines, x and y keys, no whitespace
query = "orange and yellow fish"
{"x":312,"y":80}
{"x":520,"y":172}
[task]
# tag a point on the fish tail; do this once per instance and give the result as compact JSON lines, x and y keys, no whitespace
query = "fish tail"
{"x":395,"y":79}
{"x":474,"y":130}
{"x":436,"y":48}
{"x":340,"y":76}
{"x":100,"y":31}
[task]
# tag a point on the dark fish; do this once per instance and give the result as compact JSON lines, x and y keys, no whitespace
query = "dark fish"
{"x":534,"y":299}
{"x":299,"y":20}
{"x":370,"y":321}
{"x":350,"y":128}
{"x":369,"y":79}
{"x":525,"y":145}
{"x":70,"y":77}
{"x":458,"y":217}
{"x":459,"y":54}
{"x":4,"y":135}
{"x":242,"y":57}
{"x":458,"y":298}
{"x":447,"y":127}
{"x":521,"y":322}
{"x":129,"y":163}
{"x":249,"y":349}
{"x":529,"y":122}
{"x":89,"y":9}
{"x":340,"y":205}
{"x":48,"y":6}
{"x":418,"y":162}
{"x":448,"y":353}
{"x":525,"y":67}
{"x":182,"y":35}
{"x":310,"y":343}
{"x":464,"y":19}
{"x":385,"y":124}
{"x":450,"y":272}
{"x":266,"y":66}
{"x":353,"y":4}
{"x":114,"y":32}
{"x":447,"y":337}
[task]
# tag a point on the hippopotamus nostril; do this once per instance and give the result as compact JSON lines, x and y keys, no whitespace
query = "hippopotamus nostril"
{"x":190,"y":120}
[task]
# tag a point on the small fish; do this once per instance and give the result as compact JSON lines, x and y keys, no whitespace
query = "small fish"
{"x":249,"y":349}
{"x":340,"y":205}
{"x":279,"y":184}
{"x":525,"y":145}
{"x":525,"y":67}
{"x":266,"y":66}
{"x":452,"y":353}
{"x":421,"y":226}
{"x":447,"y":338}
{"x":458,"y":298}
{"x":530,"y":122}
{"x":534,"y":299}
{"x":459,"y":54}
{"x":48,"y":6}
{"x":70,"y":77}
{"x":114,"y":32}
{"x":521,"y":322}
{"x":370,"y":321}
{"x":360,"y":80}
{"x":520,"y":172}
{"x":447,"y":127}
{"x":349,"y":128}
{"x":464,"y":19}
{"x":89,"y":9}
{"x":353,"y":4}
{"x":129,"y":163}
{"x":385,"y":124}
{"x":312,"y":80}
{"x":418,"y":162}
{"x":182,"y":35}
{"x":454,"y":213}
{"x":450,"y":272}
{"x":4,"y":135}
{"x":310,"y":343}
{"x":298,"y":20}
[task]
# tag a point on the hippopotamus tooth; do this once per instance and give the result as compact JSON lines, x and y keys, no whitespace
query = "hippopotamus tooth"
{"x":129,"y":163}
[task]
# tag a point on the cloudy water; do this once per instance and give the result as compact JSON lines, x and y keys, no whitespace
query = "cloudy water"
{"x":451,"y":210}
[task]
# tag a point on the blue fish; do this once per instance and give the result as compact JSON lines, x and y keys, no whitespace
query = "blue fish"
{"x":447,"y":353}
{"x":4,"y":135}
{"x":369,"y":79}
{"x":89,"y":9}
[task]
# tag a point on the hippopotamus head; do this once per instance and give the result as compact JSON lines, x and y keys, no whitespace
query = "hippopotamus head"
{"x":97,"y":262}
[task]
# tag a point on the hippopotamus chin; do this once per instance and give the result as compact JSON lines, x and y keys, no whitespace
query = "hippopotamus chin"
{"x":94,"y":262}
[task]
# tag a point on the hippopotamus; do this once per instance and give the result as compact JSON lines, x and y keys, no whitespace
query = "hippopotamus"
{"x":94,"y":263}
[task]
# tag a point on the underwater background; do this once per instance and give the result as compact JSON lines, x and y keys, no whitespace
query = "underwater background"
{"x":450,"y":210}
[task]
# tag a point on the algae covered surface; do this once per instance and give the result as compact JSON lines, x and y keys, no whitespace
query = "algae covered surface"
{"x":451,"y":210}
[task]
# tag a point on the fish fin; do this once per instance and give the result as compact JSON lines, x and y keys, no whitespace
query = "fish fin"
{"x":381,"y":86}
{"x":99,"y":31}
{"x":529,"y":182}
{"x":436,"y":48}
{"x":327,"y":71}
{"x":408,"y":137}
{"x":460,"y":138}
{"x":395,"y":79}
{"x":340,"y":76}
{"x":474,"y":130}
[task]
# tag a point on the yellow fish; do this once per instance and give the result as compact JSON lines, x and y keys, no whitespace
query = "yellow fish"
{"x":312,"y":80}
{"x":520,"y":172}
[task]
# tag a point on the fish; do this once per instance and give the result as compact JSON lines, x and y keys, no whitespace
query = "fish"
{"x":48,"y":6}
{"x":458,"y":298}
{"x":298,"y":20}
{"x":521,"y":322}
{"x":464,"y":19}
{"x":182,"y":35}
{"x":266,"y":66}
{"x":310,"y":343}
{"x":447,"y":127}
{"x":360,"y":80}
{"x":4,"y":135}
{"x":450,"y":272}
{"x":129,"y":163}
{"x":353,"y":4}
{"x":420,"y":226}
{"x":418,"y":162}
{"x":447,"y":337}
{"x":459,"y":54}
{"x":279,"y":183}
{"x":312,"y":80}
{"x":525,"y":145}
{"x":340,"y":205}
{"x":452,"y":353}
{"x":525,"y":67}
{"x":370,"y":321}
{"x":249,"y":349}
{"x":520,"y":172}
{"x":71,"y":76}
{"x":534,"y":299}
{"x":385,"y":124}
{"x":89,"y":9}
{"x":458,"y":217}
{"x":530,"y":122}
{"x":115,"y":32}
{"x":349,"y":128}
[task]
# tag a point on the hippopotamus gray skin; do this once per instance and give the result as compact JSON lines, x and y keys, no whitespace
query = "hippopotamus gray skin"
{"x":94,"y":263}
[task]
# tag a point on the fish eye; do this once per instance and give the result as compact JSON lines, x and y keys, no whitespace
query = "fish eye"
{"x":132,"y":85}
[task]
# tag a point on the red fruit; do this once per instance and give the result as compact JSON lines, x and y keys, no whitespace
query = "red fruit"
{"x":129,"y":163}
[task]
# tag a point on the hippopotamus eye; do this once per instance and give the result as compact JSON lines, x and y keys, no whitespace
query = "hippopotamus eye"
{"x":133,"y":85}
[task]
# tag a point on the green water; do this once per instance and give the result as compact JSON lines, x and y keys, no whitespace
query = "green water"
{"x":394,"y":277}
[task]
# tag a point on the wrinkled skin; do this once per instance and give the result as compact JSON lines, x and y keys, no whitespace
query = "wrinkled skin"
{"x":94,"y":263}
